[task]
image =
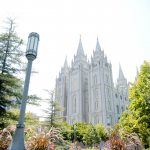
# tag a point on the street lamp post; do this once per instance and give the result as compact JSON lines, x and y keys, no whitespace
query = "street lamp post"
{"x":31,"y":53}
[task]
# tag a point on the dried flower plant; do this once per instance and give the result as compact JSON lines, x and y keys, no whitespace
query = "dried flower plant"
{"x":5,"y":139}
{"x":45,"y":141}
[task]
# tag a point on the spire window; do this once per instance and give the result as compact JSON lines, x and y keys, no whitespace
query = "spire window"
{"x":95,"y":79}
{"x":96,"y":105}
{"x":106,"y":78}
{"x":120,"y":97}
{"x":116,"y":95}
{"x":109,"y":120}
{"x":122,"y":108}
{"x":117,"y":109}
{"x":109,"y":105}
{"x":96,"y":119}
{"x":74,"y":104}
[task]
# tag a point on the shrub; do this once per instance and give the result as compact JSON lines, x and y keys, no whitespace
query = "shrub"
{"x":116,"y":143}
{"x":5,"y":139}
{"x":45,"y":141}
{"x":38,"y":142}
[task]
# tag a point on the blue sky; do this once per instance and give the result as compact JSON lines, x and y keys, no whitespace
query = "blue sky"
{"x":122,"y":26}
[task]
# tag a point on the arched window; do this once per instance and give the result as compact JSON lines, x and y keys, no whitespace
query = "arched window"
{"x":108,"y":92}
{"x":109,"y":105}
{"x":116,"y":95}
{"x":74,"y":104}
{"x":106,"y":78}
{"x":96,"y":93}
{"x":96,"y":119}
{"x":109,"y":120}
{"x":122,"y":108}
{"x":96,"y":105}
{"x":86,"y":83}
{"x":95,"y":79}
{"x":117,"y":109}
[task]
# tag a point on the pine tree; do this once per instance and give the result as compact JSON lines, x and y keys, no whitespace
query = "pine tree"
{"x":10,"y":49}
{"x":10,"y":64}
{"x":52,"y":111}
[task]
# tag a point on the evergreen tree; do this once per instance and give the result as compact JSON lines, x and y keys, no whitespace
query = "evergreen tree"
{"x":9,"y":90}
{"x":52,"y":111}
{"x":10,"y":49}
{"x":10,"y":63}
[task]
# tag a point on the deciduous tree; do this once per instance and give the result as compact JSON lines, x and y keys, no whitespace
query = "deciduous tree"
{"x":137,"y":118}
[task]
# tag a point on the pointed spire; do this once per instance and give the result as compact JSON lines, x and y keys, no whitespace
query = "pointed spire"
{"x":66,"y":63}
{"x":121,"y":75}
{"x":98,"y":47}
{"x":80,"y":48}
{"x":137,"y":74}
{"x":137,"y":71}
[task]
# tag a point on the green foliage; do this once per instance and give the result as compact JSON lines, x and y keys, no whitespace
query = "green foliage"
{"x":102,"y":132}
{"x":52,"y":111}
{"x":10,"y":49}
{"x":34,"y":100}
{"x":129,"y":122}
{"x":10,"y":63}
{"x":31,"y":122}
{"x":9,"y":91}
{"x":13,"y":115}
{"x":31,"y":119}
{"x":137,"y":118}
{"x":91,"y":136}
{"x":88,"y":133}
{"x":66,"y":130}
{"x":80,"y":131}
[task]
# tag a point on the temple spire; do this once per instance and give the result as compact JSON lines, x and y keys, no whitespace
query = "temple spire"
{"x":98,"y":47}
{"x":137,"y":74}
{"x":121,"y":75}
{"x":137,"y":71}
{"x":80,"y":48}
{"x":66,"y":63}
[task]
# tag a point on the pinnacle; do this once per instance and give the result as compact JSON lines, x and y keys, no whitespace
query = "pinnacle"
{"x":80,"y":48}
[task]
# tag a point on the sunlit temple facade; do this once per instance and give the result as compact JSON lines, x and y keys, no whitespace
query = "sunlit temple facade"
{"x":87,"y":92}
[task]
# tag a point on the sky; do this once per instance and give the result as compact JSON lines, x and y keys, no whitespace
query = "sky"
{"x":122,"y":26}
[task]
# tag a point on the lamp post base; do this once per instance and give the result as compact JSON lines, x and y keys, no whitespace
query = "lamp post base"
{"x":18,"y":139}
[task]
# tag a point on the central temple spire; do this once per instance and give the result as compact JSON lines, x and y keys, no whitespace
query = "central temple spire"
{"x":80,"y":48}
{"x":98,"y":47}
